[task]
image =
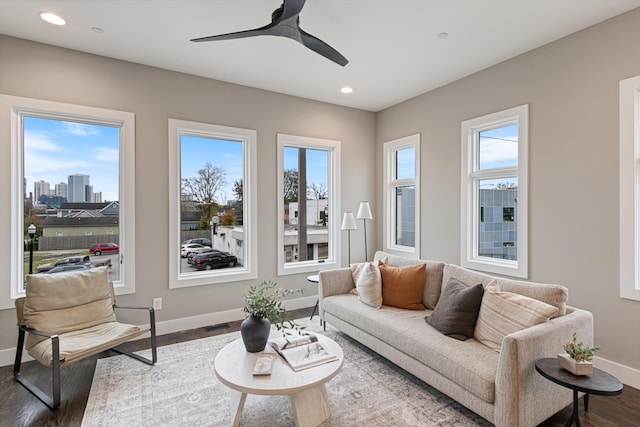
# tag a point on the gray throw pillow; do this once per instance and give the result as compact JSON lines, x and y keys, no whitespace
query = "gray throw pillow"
{"x":457,"y":310}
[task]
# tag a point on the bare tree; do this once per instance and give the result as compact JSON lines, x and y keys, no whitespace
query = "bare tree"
{"x":205,"y":187}
{"x":290,"y":185}
{"x":317,"y":191}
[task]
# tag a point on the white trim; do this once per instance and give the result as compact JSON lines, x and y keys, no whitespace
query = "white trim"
{"x":469,"y":202}
{"x":390,"y":148}
{"x":334,"y":238}
{"x":629,"y":376}
{"x":248,"y":137}
{"x":629,"y":188}
{"x":12,"y":110}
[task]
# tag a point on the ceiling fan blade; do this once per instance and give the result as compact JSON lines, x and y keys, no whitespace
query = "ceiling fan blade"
{"x":267,"y":30}
{"x":320,"y":47}
{"x":291,"y":8}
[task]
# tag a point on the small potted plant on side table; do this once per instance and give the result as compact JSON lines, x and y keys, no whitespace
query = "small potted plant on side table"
{"x":577,"y":358}
{"x":263,"y":305}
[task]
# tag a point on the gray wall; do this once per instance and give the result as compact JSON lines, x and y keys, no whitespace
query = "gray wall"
{"x":571,"y":87}
{"x":44,"y":72}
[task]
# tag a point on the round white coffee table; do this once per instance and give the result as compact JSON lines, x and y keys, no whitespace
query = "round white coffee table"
{"x":306,"y":388}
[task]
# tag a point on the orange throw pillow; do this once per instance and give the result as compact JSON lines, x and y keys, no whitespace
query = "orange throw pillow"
{"x":403,"y":287}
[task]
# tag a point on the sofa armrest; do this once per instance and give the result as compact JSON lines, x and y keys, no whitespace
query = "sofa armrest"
{"x":524,"y":397}
{"x":334,"y":282}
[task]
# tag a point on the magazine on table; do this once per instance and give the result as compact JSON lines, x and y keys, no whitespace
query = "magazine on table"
{"x":302,"y":352}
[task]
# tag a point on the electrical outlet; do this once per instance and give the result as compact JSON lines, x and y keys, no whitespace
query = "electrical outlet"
{"x":157,"y":303}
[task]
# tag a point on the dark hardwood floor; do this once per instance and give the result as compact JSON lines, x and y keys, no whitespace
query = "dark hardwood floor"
{"x":19,"y":408}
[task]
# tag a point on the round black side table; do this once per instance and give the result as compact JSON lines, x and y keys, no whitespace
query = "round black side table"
{"x":598,"y":383}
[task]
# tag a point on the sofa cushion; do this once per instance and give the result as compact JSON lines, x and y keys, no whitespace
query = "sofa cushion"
{"x":468,"y":363}
{"x":402,"y":286}
{"x":554,"y":295}
{"x":503,"y":313}
{"x":433,"y":277}
{"x":457,"y":311}
{"x":59,"y":303}
{"x":368,"y":282}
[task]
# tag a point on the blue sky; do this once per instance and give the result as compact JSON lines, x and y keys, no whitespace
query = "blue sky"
{"x":317,"y":164}
{"x":55,"y":149}
{"x":499,"y":147}
{"x":197,"y":151}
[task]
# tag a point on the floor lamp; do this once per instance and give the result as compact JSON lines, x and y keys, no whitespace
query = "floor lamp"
{"x":349,"y":223}
{"x":364,"y":213}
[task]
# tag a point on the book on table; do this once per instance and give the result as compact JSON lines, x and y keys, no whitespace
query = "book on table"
{"x":302,"y":352}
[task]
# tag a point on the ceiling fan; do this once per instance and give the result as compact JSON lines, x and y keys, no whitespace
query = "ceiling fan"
{"x":285,"y":22}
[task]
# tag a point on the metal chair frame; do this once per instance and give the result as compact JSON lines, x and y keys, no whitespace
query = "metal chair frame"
{"x":53,"y":402}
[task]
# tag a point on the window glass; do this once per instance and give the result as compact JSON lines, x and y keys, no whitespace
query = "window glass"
{"x":406,"y":163}
{"x":306,"y":219}
{"x":71,"y":172}
{"x":493,"y":226}
{"x":212,"y":204}
{"x":498,"y":229}
{"x":498,"y":147}
{"x":308,"y":203}
{"x":401,"y":197}
{"x":69,"y":164}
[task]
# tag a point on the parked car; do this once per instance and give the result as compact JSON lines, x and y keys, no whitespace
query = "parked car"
{"x":200,"y":241}
{"x":68,"y":268}
{"x":73,"y":260}
{"x":204,"y":250}
{"x":99,"y":248}
{"x":211,"y":260}
{"x":190,"y":248}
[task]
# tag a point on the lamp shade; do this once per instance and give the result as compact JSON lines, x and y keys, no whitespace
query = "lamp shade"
{"x":348,"y":222}
{"x":364,"y":211}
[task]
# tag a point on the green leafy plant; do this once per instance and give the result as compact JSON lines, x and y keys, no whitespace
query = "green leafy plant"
{"x":578,"y":351}
{"x":264,"y":301}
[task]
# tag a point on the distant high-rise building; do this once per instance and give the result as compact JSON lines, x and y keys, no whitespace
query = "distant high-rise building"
{"x":77,"y":188}
{"x":61,"y":189}
{"x":40,"y":188}
{"x":88,"y":193}
{"x":97,"y":197}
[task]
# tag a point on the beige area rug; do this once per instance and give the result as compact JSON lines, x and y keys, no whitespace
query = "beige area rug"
{"x":182,"y":390}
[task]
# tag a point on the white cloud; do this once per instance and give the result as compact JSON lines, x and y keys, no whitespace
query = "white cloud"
{"x":105,"y":154}
{"x":80,"y":129}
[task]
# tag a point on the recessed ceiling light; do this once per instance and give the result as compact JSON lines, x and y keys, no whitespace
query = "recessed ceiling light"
{"x":442,"y":35}
{"x":52,"y":18}
{"x":346,"y":89}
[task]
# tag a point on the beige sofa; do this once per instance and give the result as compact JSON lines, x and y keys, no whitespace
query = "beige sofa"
{"x":501,"y":386}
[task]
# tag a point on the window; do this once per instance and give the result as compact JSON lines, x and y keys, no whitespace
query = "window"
{"x":494,"y":193}
{"x":212,"y":204}
{"x":630,"y":188}
{"x":62,"y":155}
{"x":308,"y":204}
{"x":402,"y":196}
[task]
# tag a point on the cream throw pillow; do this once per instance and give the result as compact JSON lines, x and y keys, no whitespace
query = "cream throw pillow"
{"x":368,"y":282}
{"x":503,"y":313}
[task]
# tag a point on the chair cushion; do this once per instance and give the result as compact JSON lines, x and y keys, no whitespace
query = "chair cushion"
{"x":457,"y":311}
{"x":76,"y":345}
{"x":368,"y":282}
{"x":65,"y":302}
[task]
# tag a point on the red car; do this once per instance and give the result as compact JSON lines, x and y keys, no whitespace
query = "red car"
{"x":99,"y":248}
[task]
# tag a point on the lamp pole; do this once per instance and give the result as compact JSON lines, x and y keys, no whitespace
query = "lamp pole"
{"x":32,"y":234}
{"x":215,"y":220}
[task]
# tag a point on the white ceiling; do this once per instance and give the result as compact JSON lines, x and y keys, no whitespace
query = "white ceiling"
{"x":392,"y":45}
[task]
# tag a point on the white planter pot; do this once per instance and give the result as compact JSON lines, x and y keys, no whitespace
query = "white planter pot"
{"x":576,"y":368}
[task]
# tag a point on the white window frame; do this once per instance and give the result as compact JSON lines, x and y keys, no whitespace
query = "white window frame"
{"x":630,"y":188}
{"x":389,"y":198}
{"x":470,"y":204}
{"x":333,"y":259}
{"x":12,"y":111}
{"x":248,"y":137}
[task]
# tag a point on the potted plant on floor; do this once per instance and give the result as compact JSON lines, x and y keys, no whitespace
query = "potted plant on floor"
{"x":577,"y":358}
{"x":263,"y":306}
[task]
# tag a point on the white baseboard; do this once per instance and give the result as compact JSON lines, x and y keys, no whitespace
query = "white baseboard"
{"x":628,"y":376}
{"x":7,"y":356}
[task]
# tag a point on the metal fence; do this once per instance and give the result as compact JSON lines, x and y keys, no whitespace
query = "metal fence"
{"x":74,"y":242}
